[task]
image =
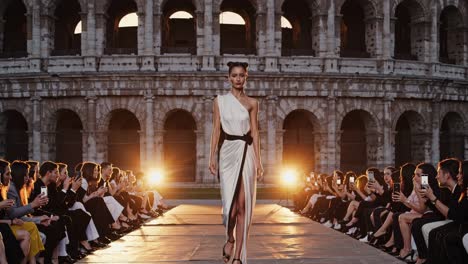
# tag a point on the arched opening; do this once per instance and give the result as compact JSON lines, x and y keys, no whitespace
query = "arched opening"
{"x":180,"y":147}
{"x":452,"y":142}
{"x":122,"y":28}
{"x":124,"y":140}
{"x":298,"y":141}
{"x":409,"y":138}
{"x":68,"y":138}
{"x":15,"y":31}
{"x":13,"y":136}
{"x":353,"y":30}
{"x":358,"y":143}
{"x":297,"y":40}
{"x":238,"y":36}
{"x":179,"y":27}
{"x":451,"y":40}
{"x":402,"y":33}
{"x":67,"y":16}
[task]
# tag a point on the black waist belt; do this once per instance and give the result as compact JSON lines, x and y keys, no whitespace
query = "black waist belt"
{"x":247,"y":138}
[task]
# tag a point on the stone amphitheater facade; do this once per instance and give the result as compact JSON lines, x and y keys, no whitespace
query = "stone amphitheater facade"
{"x":352,"y":84}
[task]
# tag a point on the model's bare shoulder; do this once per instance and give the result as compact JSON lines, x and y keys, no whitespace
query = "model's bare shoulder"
{"x":253,"y":103}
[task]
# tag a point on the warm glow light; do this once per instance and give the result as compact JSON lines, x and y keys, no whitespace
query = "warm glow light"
{"x":130,"y":20}
{"x":289,"y":176}
{"x":155,"y":176}
{"x":78,"y":28}
{"x":181,"y":15}
{"x":285,"y":23}
{"x":231,"y":18}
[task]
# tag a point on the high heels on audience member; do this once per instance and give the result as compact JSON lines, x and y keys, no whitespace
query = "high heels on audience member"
{"x":405,"y":257}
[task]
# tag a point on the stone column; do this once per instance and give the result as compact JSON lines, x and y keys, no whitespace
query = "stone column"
{"x":386,"y":31}
{"x":199,"y":34}
{"x":34,"y":43}
{"x":208,"y":49}
{"x":47,"y":34}
{"x":48,"y":151}
{"x":466,"y":146}
{"x":101,"y":153}
{"x":159,"y":153}
{"x":88,"y":36}
{"x":207,"y":129}
{"x":435,"y":127}
{"x":216,"y":34}
{"x":433,"y":52}
{"x":387,"y":132}
{"x":84,"y":33}
{"x":141,"y":49}
{"x":319,"y":34}
{"x":149,"y":132}
{"x":157,"y":42}
{"x":91,"y":140}
{"x":333,"y":40}
{"x":320,"y":142}
{"x":274,"y":177}
{"x":271,"y":158}
{"x":36,"y":127}
{"x":200,"y":165}
{"x":261,"y":38}
{"x":147,"y":63}
{"x":100,"y":33}
{"x":331,"y":142}
{"x":271,"y":60}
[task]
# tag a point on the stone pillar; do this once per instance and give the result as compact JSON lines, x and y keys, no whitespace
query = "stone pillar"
{"x":271,"y":25}
{"x":47,"y":34}
{"x":435,"y":127}
{"x":36,"y":127}
{"x":149,"y":30}
{"x":319,"y":34}
{"x":48,"y":151}
{"x":207,"y":129}
{"x":427,"y":147}
{"x":332,"y":40}
{"x":34,"y":43}
{"x":149,"y":132}
{"x":84,"y":33}
{"x":141,"y":49}
{"x":157,"y":42}
{"x":386,"y":31}
{"x":320,"y":143}
{"x":101,"y":153}
{"x":200,"y":160}
{"x":331,"y":142}
{"x":270,"y":163}
{"x":88,"y":36}
{"x":200,"y":38}
{"x":100,"y":33}
{"x":466,"y":147}
{"x":159,"y":153}
{"x":261,"y":38}
{"x":208,"y":63}
{"x":387,"y":132}
{"x":275,"y":176}
{"x":91,"y":140}
{"x":433,"y":52}
{"x":216,"y":34}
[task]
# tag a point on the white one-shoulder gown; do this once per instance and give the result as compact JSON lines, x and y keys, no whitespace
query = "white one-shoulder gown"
{"x":235,"y":120}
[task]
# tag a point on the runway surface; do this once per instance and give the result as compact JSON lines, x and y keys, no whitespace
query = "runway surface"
{"x":194,"y":234}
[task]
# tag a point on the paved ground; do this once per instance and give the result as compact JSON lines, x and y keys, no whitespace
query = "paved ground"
{"x":193,"y":233}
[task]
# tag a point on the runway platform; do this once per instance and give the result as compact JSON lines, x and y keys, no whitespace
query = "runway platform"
{"x":194,"y":234}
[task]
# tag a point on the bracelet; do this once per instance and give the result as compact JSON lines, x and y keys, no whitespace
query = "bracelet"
{"x":434,"y":201}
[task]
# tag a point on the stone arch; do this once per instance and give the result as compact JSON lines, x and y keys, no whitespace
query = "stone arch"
{"x":68,"y":141}
{"x":135,"y":105}
{"x":199,"y":5}
{"x":287,"y":106}
{"x":462,"y":7}
{"x":168,"y":106}
{"x":14,"y":139}
{"x":299,"y":40}
{"x":301,"y":140}
{"x":217,"y":5}
{"x":14,"y":32}
{"x":411,"y":137}
{"x":103,"y":6}
{"x":425,"y":10}
{"x":180,"y":146}
{"x":179,"y":35}
{"x":50,"y":114}
{"x":124,"y":139}
{"x":371,"y":7}
{"x":359,"y":140}
{"x":452,"y":136}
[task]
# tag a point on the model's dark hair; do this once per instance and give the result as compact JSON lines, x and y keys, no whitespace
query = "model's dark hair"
{"x":452,"y":166}
{"x":233,"y":64}
{"x":3,"y":165}
{"x":19,"y":170}
{"x":46,"y":167}
{"x":406,"y":178}
{"x":32,"y":167}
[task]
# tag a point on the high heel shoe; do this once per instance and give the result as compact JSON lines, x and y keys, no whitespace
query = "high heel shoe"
{"x":378,"y":240}
{"x":410,"y":254}
{"x":226,"y":256}
{"x":386,"y":249}
{"x":236,"y":260}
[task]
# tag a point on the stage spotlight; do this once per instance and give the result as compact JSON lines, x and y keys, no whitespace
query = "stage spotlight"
{"x":289,"y":177}
{"x":156,"y":176}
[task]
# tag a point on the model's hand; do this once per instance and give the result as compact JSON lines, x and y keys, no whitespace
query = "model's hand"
{"x":259,"y":171}
{"x":212,"y":167}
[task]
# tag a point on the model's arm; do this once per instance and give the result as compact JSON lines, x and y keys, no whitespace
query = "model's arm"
{"x":256,"y":141}
{"x":214,"y":136}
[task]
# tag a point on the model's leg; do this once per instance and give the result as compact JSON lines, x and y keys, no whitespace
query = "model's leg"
{"x":240,"y":220}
